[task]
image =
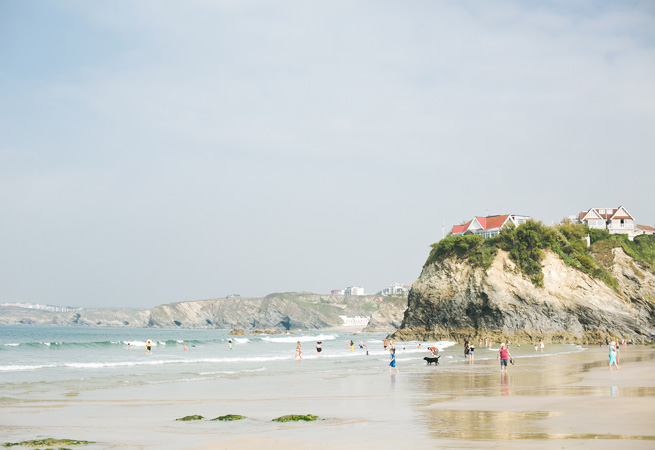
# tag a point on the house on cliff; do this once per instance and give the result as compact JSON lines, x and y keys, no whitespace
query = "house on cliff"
{"x":489,"y":226}
{"x":615,"y":220}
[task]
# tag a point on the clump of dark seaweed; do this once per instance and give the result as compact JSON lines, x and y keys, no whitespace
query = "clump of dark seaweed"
{"x":295,"y":418}
{"x":189,"y":418}
{"x":46,"y":442}
{"x":230,"y":417}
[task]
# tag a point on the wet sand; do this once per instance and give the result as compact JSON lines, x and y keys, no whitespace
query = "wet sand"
{"x":566,"y":401}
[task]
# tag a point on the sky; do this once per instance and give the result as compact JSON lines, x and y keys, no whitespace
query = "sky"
{"x":160,"y":151}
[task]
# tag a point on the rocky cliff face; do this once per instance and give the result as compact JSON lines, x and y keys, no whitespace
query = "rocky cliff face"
{"x":453,"y":300}
{"x":285,"y":311}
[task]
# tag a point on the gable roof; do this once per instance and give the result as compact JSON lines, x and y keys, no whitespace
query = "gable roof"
{"x":645,"y":227}
{"x":622,"y":213}
{"x":591,"y":214}
{"x":496,"y":221}
{"x":605,"y":214}
{"x":483,"y":223}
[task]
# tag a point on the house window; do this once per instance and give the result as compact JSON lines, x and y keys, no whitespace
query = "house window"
{"x":601,"y":211}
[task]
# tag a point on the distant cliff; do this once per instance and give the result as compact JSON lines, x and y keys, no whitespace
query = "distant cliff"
{"x":534,"y":283}
{"x":283,"y":311}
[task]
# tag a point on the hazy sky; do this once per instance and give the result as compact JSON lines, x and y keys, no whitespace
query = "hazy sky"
{"x":160,"y":151}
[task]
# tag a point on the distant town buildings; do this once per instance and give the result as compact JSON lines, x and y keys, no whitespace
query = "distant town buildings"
{"x":489,"y":226}
{"x":233,"y":295}
{"x":350,"y":290}
{"x":615,"y":220}
{"x":396,"y":288}
{"x":50,"y":308}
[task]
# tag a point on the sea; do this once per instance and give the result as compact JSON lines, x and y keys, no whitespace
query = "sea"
{"x":41,"y":359}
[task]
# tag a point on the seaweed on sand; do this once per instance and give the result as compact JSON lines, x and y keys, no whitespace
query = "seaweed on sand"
{"x":295,"y":418}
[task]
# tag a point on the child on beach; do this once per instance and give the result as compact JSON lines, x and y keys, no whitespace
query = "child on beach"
{"x":229,"y":344}
{"x":298,"y":351}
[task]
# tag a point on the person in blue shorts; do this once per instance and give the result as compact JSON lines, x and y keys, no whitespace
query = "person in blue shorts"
{"x":392,"y":363}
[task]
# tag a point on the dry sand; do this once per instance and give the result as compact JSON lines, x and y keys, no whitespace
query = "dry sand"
{"x":566,"y":401}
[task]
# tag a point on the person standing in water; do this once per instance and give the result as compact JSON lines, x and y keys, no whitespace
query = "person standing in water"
{"x":614,"y":353}
{"x":392,"y":363}
{"x":298,"y":351}
{"x":319,"y":348}
{"x":229,"y":344}
{"x":148,"y":346}
{"x":385,"y":345}
{"x":471,"y":350}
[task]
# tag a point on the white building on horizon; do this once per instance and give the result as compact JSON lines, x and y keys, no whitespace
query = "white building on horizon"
{"x":396,"y":288}
{"x":354,"y":290}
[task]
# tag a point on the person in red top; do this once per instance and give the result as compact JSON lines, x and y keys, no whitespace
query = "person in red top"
{"x":503,"y":355}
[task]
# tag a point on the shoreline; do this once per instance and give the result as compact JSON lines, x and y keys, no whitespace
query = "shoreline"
{"x":565,"y":400}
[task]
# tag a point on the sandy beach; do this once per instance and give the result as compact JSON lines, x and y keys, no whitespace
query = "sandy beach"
{"x":564,"y":401}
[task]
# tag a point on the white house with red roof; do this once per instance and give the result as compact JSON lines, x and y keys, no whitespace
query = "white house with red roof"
{"x":615,"y":220}
{"x":489,"y":226}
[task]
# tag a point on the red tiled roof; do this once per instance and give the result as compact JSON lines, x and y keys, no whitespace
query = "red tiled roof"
{"x":486,"y":223}
{"x":645,"y":227}
{"x":495,"y":221}
{"x":461,"y":228}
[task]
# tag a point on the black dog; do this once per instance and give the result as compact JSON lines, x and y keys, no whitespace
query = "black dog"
{"x":432,"y":360}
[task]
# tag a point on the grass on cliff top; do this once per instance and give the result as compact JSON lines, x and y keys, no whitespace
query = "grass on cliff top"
{"x":526,"y":243}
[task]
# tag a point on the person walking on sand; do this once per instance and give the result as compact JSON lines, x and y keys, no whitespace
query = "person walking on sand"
{"x":298,"y":351}
{"x":614,"y":353}
{"x":392,"y":363}
{"x":503,"y":355}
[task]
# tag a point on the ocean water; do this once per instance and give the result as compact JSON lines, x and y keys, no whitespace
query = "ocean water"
{"x":60,"y":359}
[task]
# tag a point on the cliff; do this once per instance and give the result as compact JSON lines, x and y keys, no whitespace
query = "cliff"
{"x":457,"y":298}
{"x":283,"y":311}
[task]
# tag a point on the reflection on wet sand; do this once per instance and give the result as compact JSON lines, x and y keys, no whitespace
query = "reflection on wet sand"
{"x":532,"y":400}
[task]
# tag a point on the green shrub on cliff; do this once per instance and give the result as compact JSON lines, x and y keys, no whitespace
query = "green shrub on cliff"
{"x":478,"y":250}
{"x":525,"y":245}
